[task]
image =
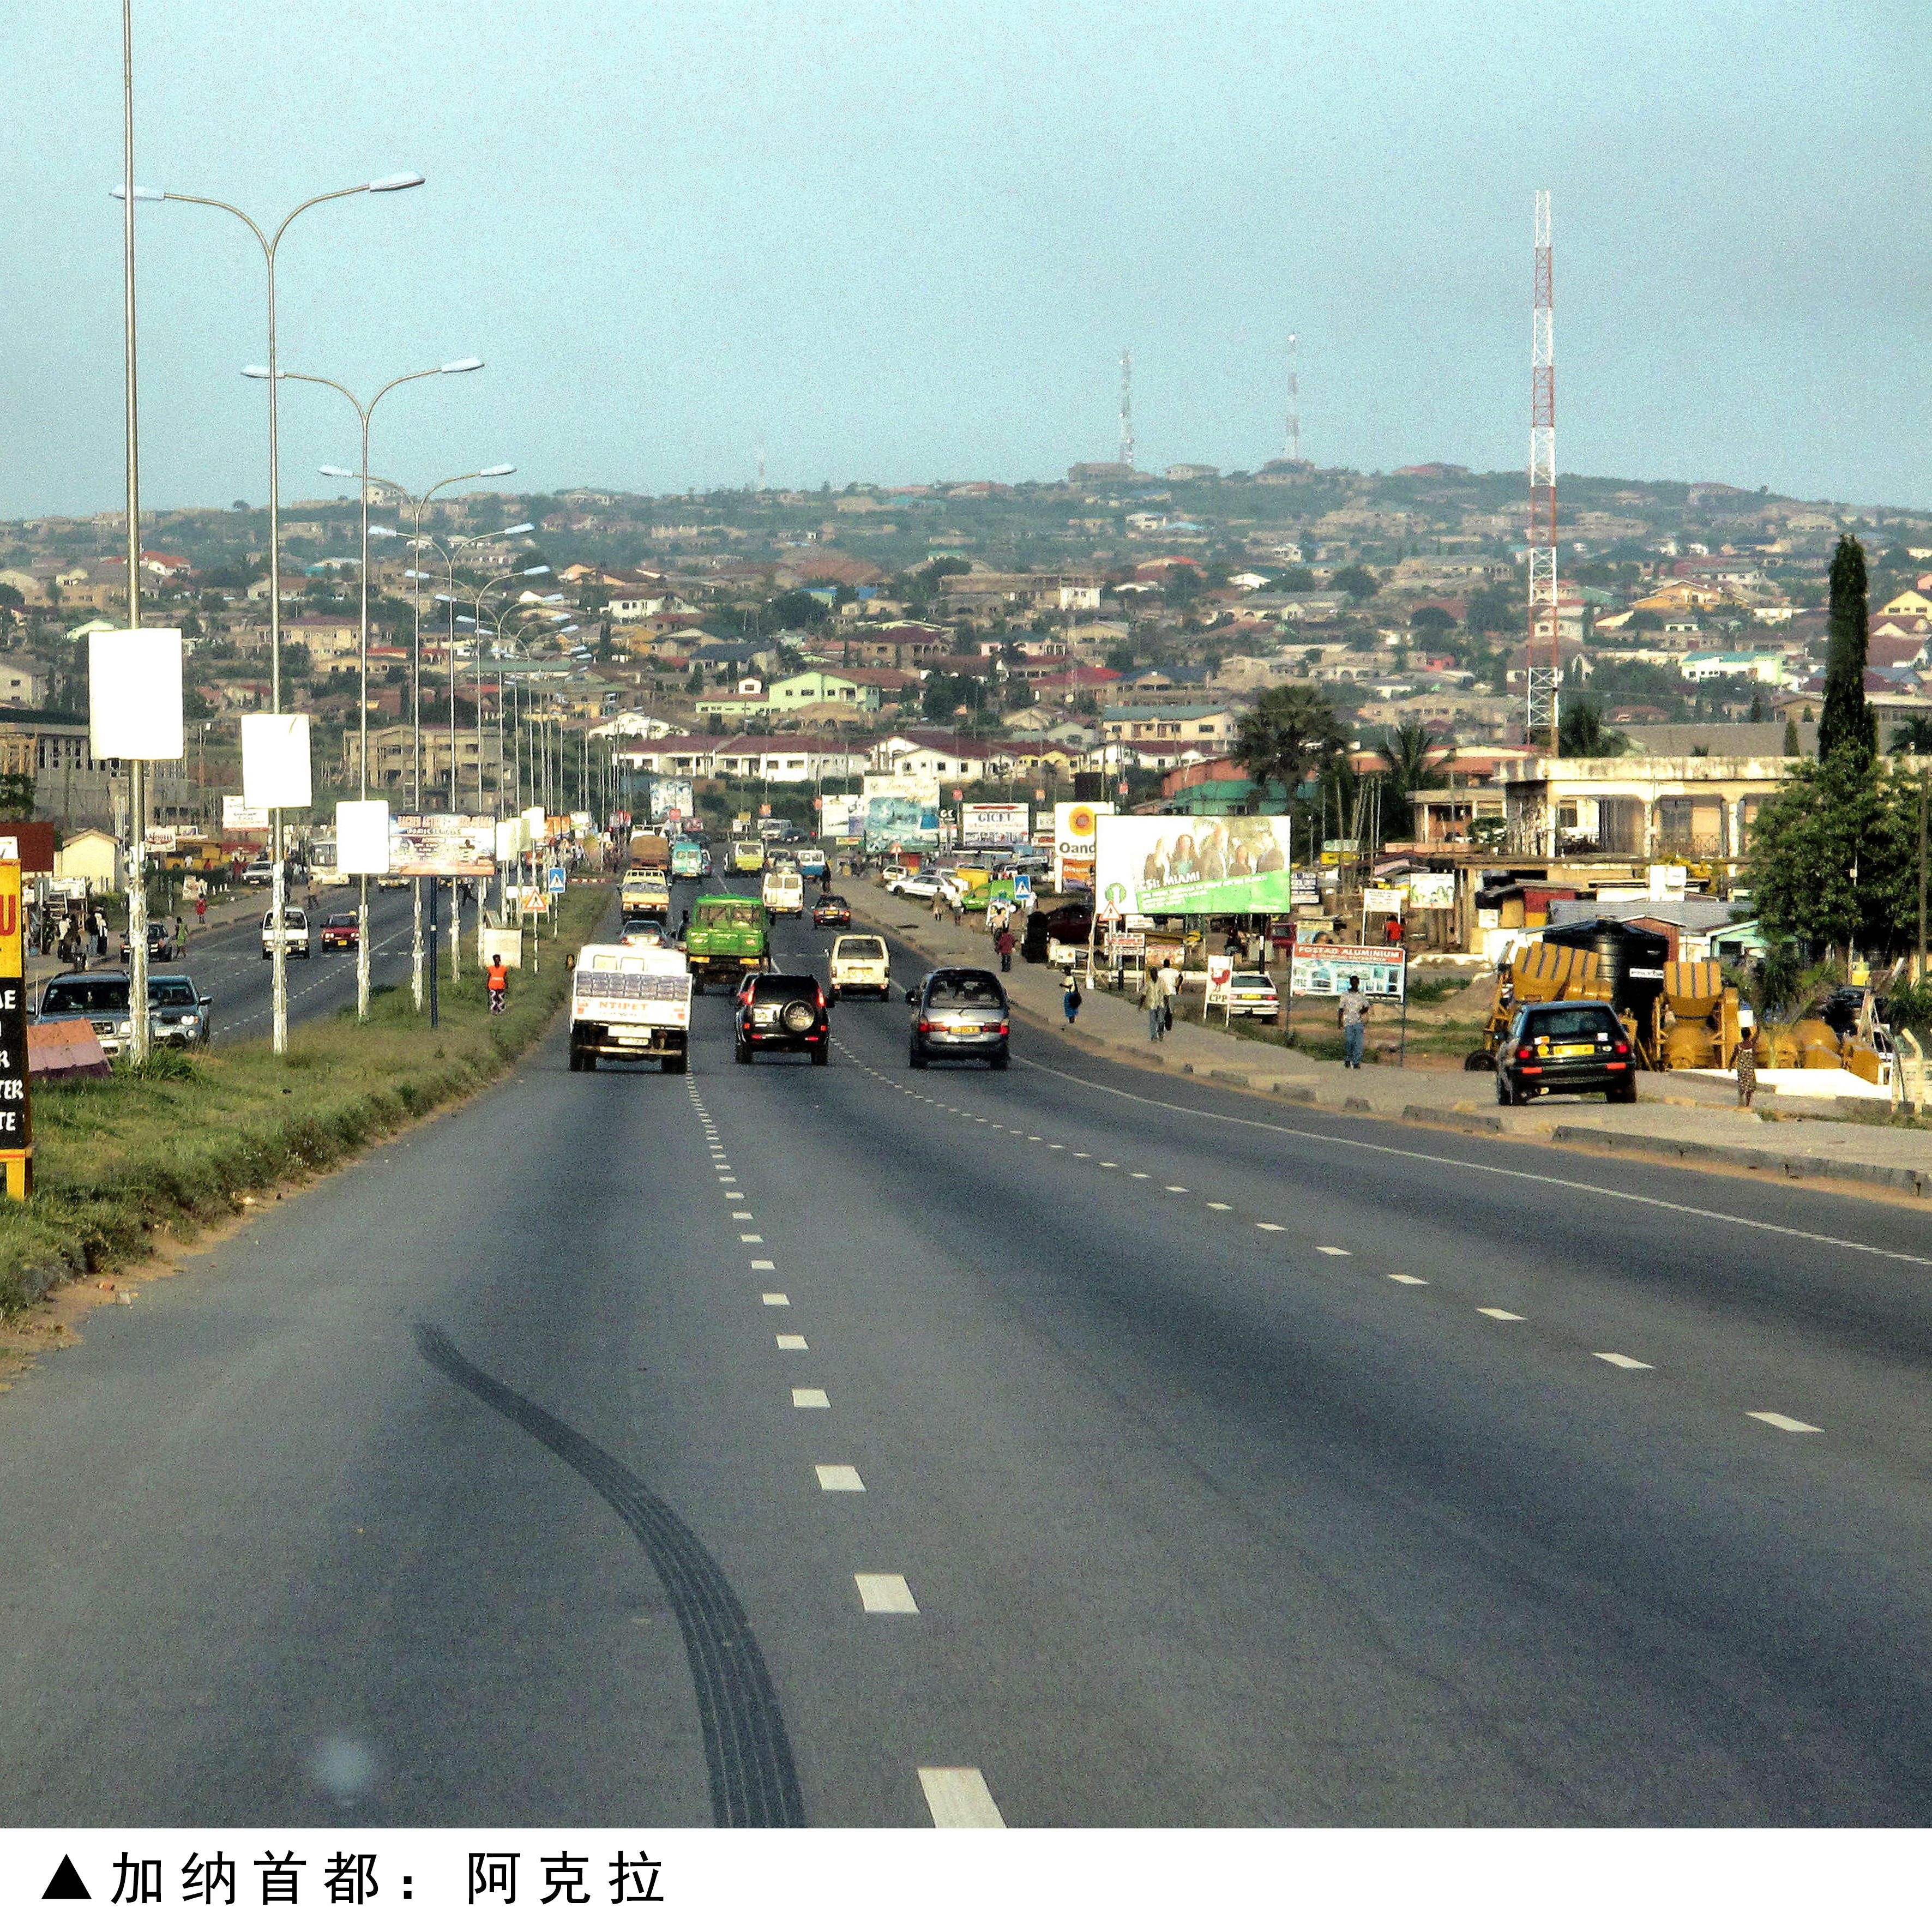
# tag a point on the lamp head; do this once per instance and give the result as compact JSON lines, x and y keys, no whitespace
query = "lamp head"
{"x":516,"y":529}
{"x":535,"y":569}
{"x":390,"y":184}
{"x":499,"y":469}
{"x":461,"y":366}
{"x":256,"y":372}
{"x":120,"y":194}
{"x":383,"y":530}
{"x":336,"y":469}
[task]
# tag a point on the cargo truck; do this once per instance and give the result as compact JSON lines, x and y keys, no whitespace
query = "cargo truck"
{"x":725,"y":939}
{"x":645,"y":893}
{"x":630,"y":1003}
{"x":650,"y":848}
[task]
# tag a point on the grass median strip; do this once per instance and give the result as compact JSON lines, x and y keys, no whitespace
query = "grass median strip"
{"x":186,"y":1142}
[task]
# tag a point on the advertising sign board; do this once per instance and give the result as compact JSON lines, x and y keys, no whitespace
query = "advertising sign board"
{"x":1073,"y":843}
{"x":1307,"y":889}
{"x":902,"y":813}
{"x":238,"y":815}
{"x":160,"y":838}
{"x":842,"y":815}
{"x":17,"y":1138}
{"x":443,"y":845}
{"x":1158,"y":865}
{"x":1383,"y":899}
{"x":671,"y":798}
{"x":994,"y":824}
{"x":1431,"y":892}
{"x":1324,"y":971}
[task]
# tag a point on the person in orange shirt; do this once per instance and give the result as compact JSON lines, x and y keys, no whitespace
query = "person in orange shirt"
{"x":498,"y":981}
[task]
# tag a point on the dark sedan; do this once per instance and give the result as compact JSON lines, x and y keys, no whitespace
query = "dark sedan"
{"x":831,"y":910}
{"x":1564,"y":1046}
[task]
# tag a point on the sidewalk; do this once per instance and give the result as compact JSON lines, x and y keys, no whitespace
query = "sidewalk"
{"x":245,"y":909}
{"x":1676,"y":1119}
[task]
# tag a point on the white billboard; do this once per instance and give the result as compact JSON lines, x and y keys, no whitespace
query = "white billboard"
{"x":238,"y":815}
{"x":994,"y":824}
{"x":842,"y":815}
{"x":1164,"y":864}
{"x":671,"y":797}
{"x":1073,"y":834}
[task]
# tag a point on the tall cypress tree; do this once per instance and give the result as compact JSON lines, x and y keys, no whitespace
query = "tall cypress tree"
{"x":1847,"y":721}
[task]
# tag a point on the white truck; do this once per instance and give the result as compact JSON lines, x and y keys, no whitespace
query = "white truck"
{"x":784,"y":892}
{"x":630,"y":1003}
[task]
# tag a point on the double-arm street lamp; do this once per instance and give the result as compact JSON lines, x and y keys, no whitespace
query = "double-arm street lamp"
{"x":271,"y":244}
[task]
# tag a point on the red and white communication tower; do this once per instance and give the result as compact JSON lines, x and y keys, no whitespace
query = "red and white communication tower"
{"x":1543,"y":668}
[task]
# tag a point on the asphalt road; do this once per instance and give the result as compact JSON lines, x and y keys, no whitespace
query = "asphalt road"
{"x":227,"y":963}
{"x":1112,"y":1451}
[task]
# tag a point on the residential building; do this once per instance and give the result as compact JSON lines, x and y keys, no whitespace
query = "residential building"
{"x":818,"y":687}
{"x":787,"y":760}
{"x":1160,"y":733}
{"x":985,"y":592}
{"x":391,"y":765}
{"x":22,"y":683}
{"x":1637,"y":807}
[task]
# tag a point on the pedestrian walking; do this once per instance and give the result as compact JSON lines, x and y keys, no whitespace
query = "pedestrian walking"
{"x":181,"y":933}
{"x":1167,"y":983}
{"x":1392,"y":931}
{"x":498,"y":981}
{"x":1004,"y":946}
{"x":201,"y":909}
{"x":1351,"y":1016}
{"x":100,"y":933}
{"x":1069,"y":997}
{"x":1746,"y":1067}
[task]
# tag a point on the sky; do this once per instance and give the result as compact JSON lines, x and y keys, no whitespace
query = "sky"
{"x":893,"y":243}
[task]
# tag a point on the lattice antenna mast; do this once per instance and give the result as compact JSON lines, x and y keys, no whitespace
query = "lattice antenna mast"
{"x":1292,"y":442}
{"x":1127,"y":407}
{"x":761,"y":469}
{"x":1545,"y":645}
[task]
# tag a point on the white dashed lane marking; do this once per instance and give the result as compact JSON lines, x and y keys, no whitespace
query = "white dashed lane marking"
{"x":810,"y":1398}
{"x":958,"y":1799}
{"x":1173,"y":1189}
{"x":1409,"y":1280}
{"x":1220,"y":1207}
{"x":884,"y":1595}
{"x":838,"y":1476}
{"x":1789,"y":1424}
{"x":1331,"y":1251}
{"x":1500,"y":1314}
{"x":751,"y":1237}
{"x":792,"y":1342}
{"x":1617,"y":1361}
{"x":1271,"y":1227}
{"x":739,"y":1213}
{"x":775,"y":1300}
{"x":768,"y":1266}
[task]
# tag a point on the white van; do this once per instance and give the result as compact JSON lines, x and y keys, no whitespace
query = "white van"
{"x":784,"y":892}
{"x":295,"y":932}
{"x":860,"y":964}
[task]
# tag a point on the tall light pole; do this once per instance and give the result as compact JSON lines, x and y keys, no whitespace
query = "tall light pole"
{"x":417,"y":504}
{"x":271,"y":243}
{"x":137,"y":803}
{"x":363,"y":412}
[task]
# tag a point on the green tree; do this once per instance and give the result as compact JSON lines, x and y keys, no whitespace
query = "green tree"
{"x":1581,"y":732}
{"x":1792,"y":749}
{"x":1414,"y":757}
{"x":1803,"y":846}
{"x":1493,"y":609}
{"x":694,"y":683}
{"x":1353,"y":581}
{"x":1848,"y":722}
{"x":1288,"y":733}
{"x":1182,"y":587}
{"x":1294,"y":579}
{"x":1431,"y":624}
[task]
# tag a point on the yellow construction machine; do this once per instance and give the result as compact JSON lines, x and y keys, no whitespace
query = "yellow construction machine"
{"x":1695,"y":1024}
{"x":1534,"y":974}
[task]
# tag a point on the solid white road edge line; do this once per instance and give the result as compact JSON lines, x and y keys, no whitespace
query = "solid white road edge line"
{"x":1484,"y":1167}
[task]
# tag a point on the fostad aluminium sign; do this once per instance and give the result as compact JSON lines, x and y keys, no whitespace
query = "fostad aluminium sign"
{"x":17,"y":1138}
{"x":1324,"y":971}
{"x":1168,"y":865}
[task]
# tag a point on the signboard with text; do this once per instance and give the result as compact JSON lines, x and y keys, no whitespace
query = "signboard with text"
{"x":1171,"y":865}
{"x":238,"y":815}
{"x":17,"y":1138}
{"x":1073,"y":836}
{"x":1323,"y":972}
{"x":994,"y":824}
{"x":1431,"y":892}
{"x":443,"y":845}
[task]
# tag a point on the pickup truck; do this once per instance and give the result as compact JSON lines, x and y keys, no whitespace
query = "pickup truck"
{"x":645,"y":891}
{"x":725,"y":939}
{"x":630,"y":1003}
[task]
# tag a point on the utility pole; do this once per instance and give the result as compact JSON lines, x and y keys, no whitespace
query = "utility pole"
{"x":1544,"y":655}
{"x":1924,"y":780}
{"x":1127,"y":407}
{"x":1293,"y":439}
{"x":137,"y":768}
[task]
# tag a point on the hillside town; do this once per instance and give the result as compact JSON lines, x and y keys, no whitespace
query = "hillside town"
{"x":997,"y":636}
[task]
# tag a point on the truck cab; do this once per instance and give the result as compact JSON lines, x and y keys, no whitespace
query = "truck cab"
{"x":725,"y":939}
{"x":630,"y":1003}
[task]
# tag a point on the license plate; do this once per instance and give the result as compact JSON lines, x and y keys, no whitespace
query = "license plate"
{"x":1571,"y":1052}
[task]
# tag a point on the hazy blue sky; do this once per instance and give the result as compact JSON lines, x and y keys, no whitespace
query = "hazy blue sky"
{"x":898,"y":242}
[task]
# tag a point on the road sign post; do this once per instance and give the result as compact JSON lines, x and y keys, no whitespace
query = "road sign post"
{"x":16,"y":1137}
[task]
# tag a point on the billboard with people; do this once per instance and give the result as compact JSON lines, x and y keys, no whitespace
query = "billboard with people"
{"x":1157,"y":866}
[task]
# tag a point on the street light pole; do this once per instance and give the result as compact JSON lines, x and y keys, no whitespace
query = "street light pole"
{"x":363,"y":412}
{"x":270,"y":244}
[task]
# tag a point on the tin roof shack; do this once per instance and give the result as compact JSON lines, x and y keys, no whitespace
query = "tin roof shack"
{"x":1637,"y":809}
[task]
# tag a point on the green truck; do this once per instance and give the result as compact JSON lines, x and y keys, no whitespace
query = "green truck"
{"x":725,"y":939}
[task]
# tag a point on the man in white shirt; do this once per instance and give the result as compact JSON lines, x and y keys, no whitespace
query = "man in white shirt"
{"x":1351,"y":1016}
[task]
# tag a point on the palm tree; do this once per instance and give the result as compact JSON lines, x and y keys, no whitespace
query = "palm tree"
{"x":1288,"y":733}
{"x":1411,"y":755}
{"x":1583,"y":734}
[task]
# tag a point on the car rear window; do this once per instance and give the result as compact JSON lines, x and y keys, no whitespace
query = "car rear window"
{"x":102,"y":996}
{"x":1573,"y":1023}
{"x":784,"y":986}
{"x":965,"y":989}
{"x":860,"y":948}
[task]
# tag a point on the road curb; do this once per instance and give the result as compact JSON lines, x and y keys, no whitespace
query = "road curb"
{"x":1448,"y":1117}
{"x":1766,"y":1163}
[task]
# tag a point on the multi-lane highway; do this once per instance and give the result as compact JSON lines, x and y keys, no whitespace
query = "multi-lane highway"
{"x":1072,"y":1445}
{"x":226,"y":962}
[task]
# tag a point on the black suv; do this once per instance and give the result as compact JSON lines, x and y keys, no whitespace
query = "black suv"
{"x":1561,"y":1047}
{"x":781,"y":1012}
{"x":960,"y":1013}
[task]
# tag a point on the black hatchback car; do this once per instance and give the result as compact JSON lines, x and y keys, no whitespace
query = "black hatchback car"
{"x":960,"y":1013}
{"x":781,"y":1012}
{"x":1564,"y":1046}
